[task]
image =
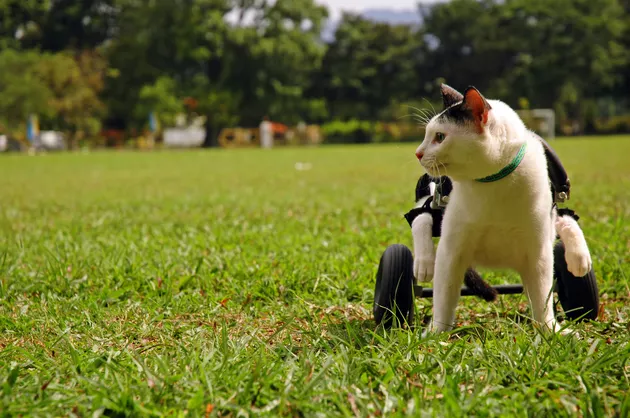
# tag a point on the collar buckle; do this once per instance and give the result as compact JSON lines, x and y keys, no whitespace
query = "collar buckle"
{"x":438,"y":201}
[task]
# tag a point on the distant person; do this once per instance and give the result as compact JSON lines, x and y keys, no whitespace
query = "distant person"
{"x":266,"y":133}
{"x":301,"y":131}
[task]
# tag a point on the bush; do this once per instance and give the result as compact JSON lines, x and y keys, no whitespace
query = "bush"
{"x":349,"y":132}
{"x":359,"y":132}
{"x":398,"y":132}
{"x":613,"y":125}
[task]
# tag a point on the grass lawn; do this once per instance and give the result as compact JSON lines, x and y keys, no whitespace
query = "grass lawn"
{"x":230,"y":283}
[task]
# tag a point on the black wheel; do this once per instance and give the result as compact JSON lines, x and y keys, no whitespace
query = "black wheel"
{"x":394,"y":287}
{"x":579,"y":296}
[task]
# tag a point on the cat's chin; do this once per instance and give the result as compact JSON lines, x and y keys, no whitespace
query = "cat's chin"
{"x":435,"y":173}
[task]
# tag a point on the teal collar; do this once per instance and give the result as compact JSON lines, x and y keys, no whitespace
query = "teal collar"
{"x":508,"y":169}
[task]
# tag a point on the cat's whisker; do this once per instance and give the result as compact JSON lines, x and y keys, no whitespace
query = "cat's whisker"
{"x":431,"y":167}
{"x":430,"y":104}
{"x":445,"y":171}
{"x":430,"y":114}
{"x":410,"y":115}
{"x":426,"y":113}
{"x":423,"y":116}
{"x":420,"y":116}
{"x":436,"y":167}
{"x":426,"y":118}
{"x":414,"y":108}
{"x":422,"y":121}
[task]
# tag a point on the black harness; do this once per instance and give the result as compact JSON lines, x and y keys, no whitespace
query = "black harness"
{"x":435,"y":204}
{"x":560,"y":184}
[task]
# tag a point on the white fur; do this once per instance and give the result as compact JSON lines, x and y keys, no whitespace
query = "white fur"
{"x":576,"y":253}
{"x":504,"y":224}
{"x":423,"y":251}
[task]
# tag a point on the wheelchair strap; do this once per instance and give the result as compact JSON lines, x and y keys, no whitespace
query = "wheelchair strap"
{"x":436,"y":215}
{"x":561,"y":186}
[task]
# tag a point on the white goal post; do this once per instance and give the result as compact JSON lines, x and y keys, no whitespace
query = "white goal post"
{"x":541,"y":121}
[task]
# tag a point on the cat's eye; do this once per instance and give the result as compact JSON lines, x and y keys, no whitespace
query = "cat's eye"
{"x":439,"y":137}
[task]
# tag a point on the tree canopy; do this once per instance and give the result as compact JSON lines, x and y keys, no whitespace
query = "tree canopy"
{"x":83,"y":65}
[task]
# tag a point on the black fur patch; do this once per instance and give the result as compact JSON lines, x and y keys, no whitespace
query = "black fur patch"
{"x":422,"y":187}
{"x":458,"y":114}
{"x":450,"y":96}
{"x":423,"y":190}
{"x":447,"y":185}
{"x":568,"y":212}
{"x":461,"y":112}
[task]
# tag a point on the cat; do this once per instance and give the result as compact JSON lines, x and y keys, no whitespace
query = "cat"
{"x":500,"y":213}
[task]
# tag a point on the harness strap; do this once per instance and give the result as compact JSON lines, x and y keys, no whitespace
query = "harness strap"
{"x":560,"y":184}
{"x":436,"y":215}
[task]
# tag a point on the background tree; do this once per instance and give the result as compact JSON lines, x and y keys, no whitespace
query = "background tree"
{"x":367,"y":66}
{"x":559,"y":54}
{"x":23,"y":92}
{"x":467,"y":43}
{"x":74,"y":84}
{"x":259,"y":59}
{"x":568,"y":52}
{"x":239,"y":60}
{"x":19,"y":20}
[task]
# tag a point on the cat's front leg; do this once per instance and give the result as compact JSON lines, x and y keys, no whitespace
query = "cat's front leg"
{"x":537,"y":277}
{"x":576,"y":254}
{"x":451,"y":263}
{"x":423,"y":250}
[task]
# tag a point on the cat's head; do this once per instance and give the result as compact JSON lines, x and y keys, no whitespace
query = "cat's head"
{"x":465,"y":140}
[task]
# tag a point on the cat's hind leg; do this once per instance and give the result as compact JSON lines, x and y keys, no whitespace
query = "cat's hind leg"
{"x":577,"y":254}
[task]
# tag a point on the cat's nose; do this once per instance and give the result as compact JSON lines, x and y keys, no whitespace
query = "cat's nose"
{"x":419,"y":154}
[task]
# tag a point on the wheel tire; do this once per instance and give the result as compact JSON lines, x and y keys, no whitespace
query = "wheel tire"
{"x":579,"y":296}
{"x":394,"y":287}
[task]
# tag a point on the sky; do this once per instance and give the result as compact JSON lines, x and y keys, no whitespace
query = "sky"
{"x":335,"y":6}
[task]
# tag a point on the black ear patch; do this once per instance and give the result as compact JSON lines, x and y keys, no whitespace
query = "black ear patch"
{"x":450,"y":96}
{"x":471,"y":107}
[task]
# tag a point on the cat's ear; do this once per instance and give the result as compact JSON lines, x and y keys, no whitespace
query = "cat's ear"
{"x":477,"y":105}
{"x":450,"y":96}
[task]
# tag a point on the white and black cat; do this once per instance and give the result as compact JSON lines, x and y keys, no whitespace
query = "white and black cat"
{"x":500,"y":213}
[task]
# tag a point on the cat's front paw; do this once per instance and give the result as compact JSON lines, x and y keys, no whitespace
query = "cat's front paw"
{"x":578,"y":261}
{"x":423,"y":267}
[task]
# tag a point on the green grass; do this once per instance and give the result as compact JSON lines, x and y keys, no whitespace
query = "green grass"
{"x":228,"y":283}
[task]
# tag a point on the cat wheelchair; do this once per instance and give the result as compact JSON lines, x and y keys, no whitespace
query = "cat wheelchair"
{"x":396,"y":285}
